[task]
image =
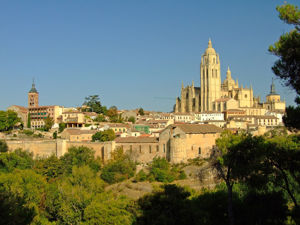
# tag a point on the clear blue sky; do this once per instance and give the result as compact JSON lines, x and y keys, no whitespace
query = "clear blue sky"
{"x":130,"y":52}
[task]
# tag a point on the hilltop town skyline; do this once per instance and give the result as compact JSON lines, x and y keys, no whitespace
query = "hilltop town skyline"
{"x":127,"y":62}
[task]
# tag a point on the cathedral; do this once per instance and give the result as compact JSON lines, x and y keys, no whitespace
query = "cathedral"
{"x":214,"y":95}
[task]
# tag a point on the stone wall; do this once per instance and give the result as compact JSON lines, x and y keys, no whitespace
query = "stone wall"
{"x":46,"y":148}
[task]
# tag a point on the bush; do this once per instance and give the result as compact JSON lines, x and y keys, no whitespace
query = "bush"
{"x":28,"y":132}
{"x":3,"y":146}
{"x":61,"y":128}
{"x":102,"y":136}
{"x":141,"y":176}
{"x":119,"y":169}
{"x":162,"y":171}
{"x":80,"y":156}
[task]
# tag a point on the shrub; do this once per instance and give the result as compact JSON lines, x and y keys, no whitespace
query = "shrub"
{"x":102,"y":136}
{"x":28,"y":132}
{"x":3,"y":146}
{"x":119,"y":169}
{"x":162,"y":171}
{"x":141,"y":176}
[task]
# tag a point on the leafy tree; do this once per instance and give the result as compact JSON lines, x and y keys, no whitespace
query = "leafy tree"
{"x":54,"y":135}
{"x":287,"y":67}
{"x":28,"y":121}
{"x":160,"y":170}
{"x":141,"y":111}
{"x":80,"y":156}
{"x":17,"y":159}
{"x":169,"y":206}
{"x":100,"y":118}
{"x":119,"y":168}
{"x":131,"y":119}
{"x":50,"y":167}
{"x":8,"y":119}
{"x":61,"y":127}
{"x":3,"y":146}
{"x":48,"y":123}
{"x":233,"y":161}
{"x":93,"y":104}
{"x":77,"y":192}
{"x":107,"y":208}
{"x":21,"y":194}
{"x":287,"y":48}
{"x":102,"y":136}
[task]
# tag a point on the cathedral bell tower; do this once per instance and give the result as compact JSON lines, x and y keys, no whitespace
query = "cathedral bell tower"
{"x":210,"y":78}
{"x":33,"y":97}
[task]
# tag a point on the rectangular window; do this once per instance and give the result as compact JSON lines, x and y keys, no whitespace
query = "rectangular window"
{"x":140,"y":149}
{"x":199,"y":151}
{"x":150,"y":150}
{"x":164,"y":148}
{"x":157,"y":148}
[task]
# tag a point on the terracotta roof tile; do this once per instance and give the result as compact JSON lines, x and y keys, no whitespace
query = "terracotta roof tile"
{"x":198,"y":128}
{"x":136,"y":140}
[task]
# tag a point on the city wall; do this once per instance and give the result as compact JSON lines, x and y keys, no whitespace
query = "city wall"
{"x":46,"y":148}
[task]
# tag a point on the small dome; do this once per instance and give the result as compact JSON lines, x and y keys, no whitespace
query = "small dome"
{"x":33,"y":89}
{"x":210,"y":49}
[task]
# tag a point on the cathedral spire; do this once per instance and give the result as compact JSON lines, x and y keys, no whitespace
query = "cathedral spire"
{"x":228,"y":73}
{"x":272,"y":91}
{"x":193,"y":84}
{"x":182,"y":85}
{"x":209,"y":43}
{"x":33,"y":89}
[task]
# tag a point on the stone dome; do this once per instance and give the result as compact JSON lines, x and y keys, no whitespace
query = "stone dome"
{"x":210,"y":50}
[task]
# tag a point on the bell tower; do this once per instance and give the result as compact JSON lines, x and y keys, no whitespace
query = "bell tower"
{"x":210,"y":78}
{"x":33,"y":97}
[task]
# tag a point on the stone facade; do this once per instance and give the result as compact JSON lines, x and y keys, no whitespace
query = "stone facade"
{"x":177,"y":143}
{"x":214,"y":95}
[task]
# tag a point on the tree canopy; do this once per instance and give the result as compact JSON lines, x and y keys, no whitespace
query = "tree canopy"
{"x":8,"y":119}
{"x":287,"y":48}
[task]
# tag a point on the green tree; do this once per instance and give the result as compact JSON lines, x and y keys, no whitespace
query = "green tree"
{"x":93,"y":104}
{"x":287,"y":48}
{"x":54,"y":135}
{"x":3,"y":146}
{"x":17,"y":159}
{"x":120,"y":168}
{"x":287,"y":67}
{"x":28,"y":121}
{"x":50,"y":167}
{"x":141,"y":111}
{"x":80,"y":156}
{"x":102,"y":136}
{"x":131,"y":119}
{"x":108,"y":209}
{"x":8,"y":119}
{"x":48,"y":123}
{"x":21,"y":195}
{"x":100,"y":118}
{"x":61,"y":127}
{"x":76,"y":193}
{"x":234,"y":158}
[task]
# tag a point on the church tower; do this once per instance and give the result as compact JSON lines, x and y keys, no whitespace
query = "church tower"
{"x":210,"y":78}
{"x":33,"y":97}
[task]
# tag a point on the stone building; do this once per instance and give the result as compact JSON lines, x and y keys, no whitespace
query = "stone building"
{"x":39,"y":113}
{"x":22,"y":113}
{"x":181,"y":142}
{"x":214,"y":95}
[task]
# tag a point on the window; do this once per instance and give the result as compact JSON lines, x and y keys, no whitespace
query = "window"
{"x":150,"y":150}
{"x":140,"y":149}
{"x":130,"y":148}
{"x":157,"y":148}
{"x":199,"y":151}
{"x":164,"y":148}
